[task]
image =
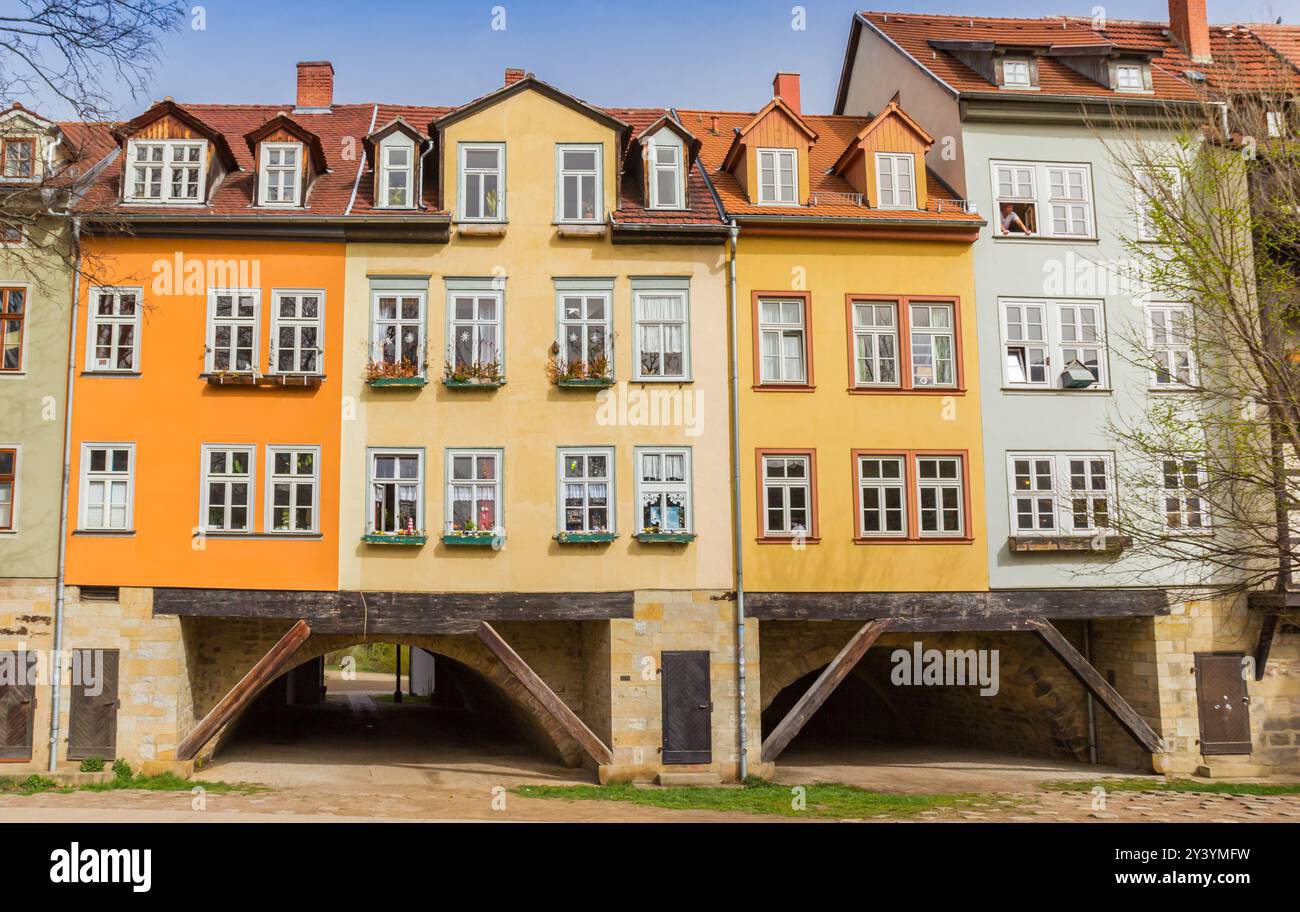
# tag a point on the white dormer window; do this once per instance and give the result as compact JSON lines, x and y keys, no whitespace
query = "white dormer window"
{"x":18,"y":158}
{"x":1015,"y":73}
{"x":281,"y":170}
{"x":895,"y":181}
{"x":778,"y":177}
{"x":1128,"y":78}
{"x":166,"y":171}
{"x":579,"y":177}
{"x":396,"y":167}
{"x":666,"y":177}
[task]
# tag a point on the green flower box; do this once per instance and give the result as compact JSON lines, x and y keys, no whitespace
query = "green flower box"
{"x":474,"y":384}
{"x":409,"y":541}
{"x":665,"y":538}
{"x":470,"y":541}
{"x":592,"y":383}
{"x":585,"y":538}
{"x":383,"y":382}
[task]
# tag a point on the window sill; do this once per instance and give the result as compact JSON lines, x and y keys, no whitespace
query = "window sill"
{"x":106,"y":533}
{"x":481,"y":229}
{"x":1060,"y":390}
{"x":591,"y":383}
{"x":903,"y":540}
{"x":389,"y":382}
{"x":410,"y":541}
{"x":476,"y":383}
{"x":12,"y":374}
{"x":581,"y":229}
{"x":473,"y":540}
{"x":783,"y":388}
{"x":788,"y":540}
{"x":585,"y":538}
{"x":663,"y":380}
{"x":111,"y":373}
{"x":665,"y":538}
{"x":907,"y":391}
{"x":1041,"y":239}
{"x":1110,"y":544}
{"x":263,"y":536}
{"x":263,"y":381}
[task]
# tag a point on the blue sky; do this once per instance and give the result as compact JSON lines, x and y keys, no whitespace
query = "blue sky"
{"x":689,"y":53}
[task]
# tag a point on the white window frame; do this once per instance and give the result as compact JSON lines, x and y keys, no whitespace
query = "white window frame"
{"x":1134,"y":68}
{"x":663,"y":488}
{"x":1053,"y":345}
{"x":297,"y":323}
{"x":786,"y":484}
{"x":674,"y":168}
{"x":780,"y":331}
{"x":660,"y":288}
{"x":372,"y":479}
{"x":165,"y":167}
{"x":1275,"y":124}
{"x":266,"y":169}
{"x":228,"y":479}
{"x":586,"y":481}
{"x":597,"y":177}
{"x":1041,"y":198}
{"x":1060,"y":492}
{"x":872,"y":335}
{"x":1165,"y":494}
{"x":294,"y":480}
{"x":891,"y":164}
{"x":107,"y":476}
{"x":477,"y":289}
{"x":921,"y":485}
{"x":462,"y":181}
{"x":1166,"y":352}
{"x":475,"y":453}
{"x":378,"y":324}
{"x":585,"y":292}
{"x":776,"y":157}
{"x":234,"y":321}
{"x":116,"y":322}
{"x":880,"y":486}
{"x":935,"y":333}
{"x":12,"y":528}
{"x":386,"y":170}
{"x":1018,"y":62}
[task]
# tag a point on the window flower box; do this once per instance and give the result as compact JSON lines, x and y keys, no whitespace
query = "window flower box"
{"x":586,"y":382}
{"x":586,"y":538}
{"x":471,"y":539}
{"x":474,"y":382}
{"x":409,"y":539}
{"x":383,"y":382}
{"x":651,"y":537}
{"x":232,"y":378}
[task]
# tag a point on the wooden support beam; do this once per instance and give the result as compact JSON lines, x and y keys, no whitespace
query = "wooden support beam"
{"x":1267,"y":627}
{"x":568,"y":719}
{"x":1090,"y":678}
{"x":822,"y":688}
{"x":266,"y":670}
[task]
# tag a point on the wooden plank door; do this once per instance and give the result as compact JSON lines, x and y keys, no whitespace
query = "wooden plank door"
{"x":1223,"y":703}
{"x":17,"y":704}
{"x":92,"y":725}
{"x":687,"y":708}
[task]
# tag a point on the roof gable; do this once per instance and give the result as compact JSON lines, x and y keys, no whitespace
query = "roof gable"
{"x":170,"y":109}
{"x":526,"y":84}
{"x":282,"y":123}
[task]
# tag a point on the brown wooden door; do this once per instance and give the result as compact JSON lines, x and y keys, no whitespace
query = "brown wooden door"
{"x":1223,"y":702}
{"x":687,"y":708}
{"x":92,"y":726}
{"x":17,"y":704}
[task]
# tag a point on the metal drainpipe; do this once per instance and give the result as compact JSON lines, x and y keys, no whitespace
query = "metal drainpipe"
{"x":57,"y":660}
{"x":735,"y":513}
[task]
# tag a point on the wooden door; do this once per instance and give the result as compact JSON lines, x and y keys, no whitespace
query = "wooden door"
{"x":92,"y":724}
{"x":1223,"y":703}
{"x":17,"y":704}
{"x":687,"y":708}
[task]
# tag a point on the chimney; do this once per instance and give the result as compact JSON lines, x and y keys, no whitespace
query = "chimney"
{"x":1190,"y":28}
{"x":513,"y":76}
{"x":786,"y":87}
{"x":315,"y":85}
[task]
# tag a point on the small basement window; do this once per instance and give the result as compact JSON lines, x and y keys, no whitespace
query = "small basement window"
{"x":100,"y":593}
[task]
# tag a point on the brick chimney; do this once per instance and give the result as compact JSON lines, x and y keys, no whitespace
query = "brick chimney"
{"x":315,"y":85}
{"x":1190,"y":28}
{"x":513,"y":76}
{"x":786,"y":87}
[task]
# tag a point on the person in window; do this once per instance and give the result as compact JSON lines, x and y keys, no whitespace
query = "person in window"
{"x":1012,"y":223}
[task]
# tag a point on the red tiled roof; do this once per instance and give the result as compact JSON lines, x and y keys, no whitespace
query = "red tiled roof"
{"x":700,"y":207}
{"x":835,"y":196}
{"x":1284,"y":40}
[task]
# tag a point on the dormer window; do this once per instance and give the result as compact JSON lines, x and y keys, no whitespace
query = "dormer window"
{"x":1015,"y":73}
{"x":1128,"y":78}
{"x":895,"y":181}
{"x":579,"y":184}
{"x":19,"y":158}
{"x":281,"y":170}
{"x":166,"y":171}
{"x":777,"y":177}
{"x":395,"y":175}
{"x":665,"y":177}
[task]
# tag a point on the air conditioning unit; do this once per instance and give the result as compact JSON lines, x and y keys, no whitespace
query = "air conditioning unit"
{"x":1076,"y":375}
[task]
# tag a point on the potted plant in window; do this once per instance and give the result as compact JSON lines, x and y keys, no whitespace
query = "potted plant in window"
{"x":402,"y":535}
{"x":598,"y":535}
{"x":468,"y":533}
{"x":402,"y":372}
{"x":597,"y":372}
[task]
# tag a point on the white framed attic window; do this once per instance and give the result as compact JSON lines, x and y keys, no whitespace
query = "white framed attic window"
{"x":895,"y":180}
{"x":483,"y":182}
{"x":1016,"y":73}
{"x":279,"y":174}
{"x":396,"y":174}
{"x":113,"y":336}
{"x":778,"y":177}
{"x":578,"y":176}
{"x":667,"y":186}
{"x":1129,"y":78}
{"x":166,"y":171}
